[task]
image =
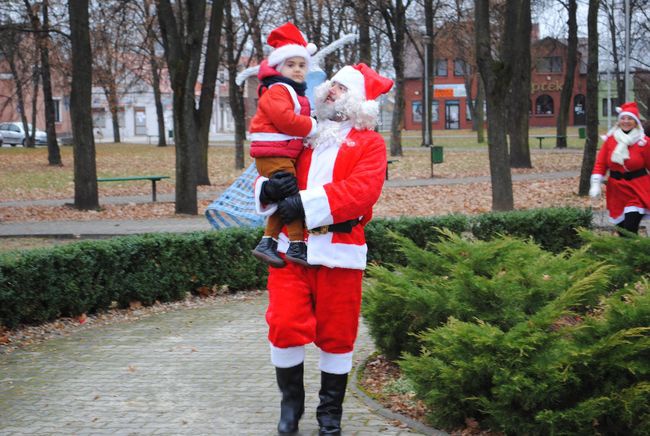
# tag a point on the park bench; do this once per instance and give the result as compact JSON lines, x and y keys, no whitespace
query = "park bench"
{"x":153,"y":179}
{"x":390,"y":161}
{"x":543,"y":137}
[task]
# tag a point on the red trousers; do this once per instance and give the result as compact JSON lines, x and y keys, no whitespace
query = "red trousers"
{"x":318,"y":304}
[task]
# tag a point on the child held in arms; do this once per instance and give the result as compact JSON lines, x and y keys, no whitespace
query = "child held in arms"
{"x":277,"y":131}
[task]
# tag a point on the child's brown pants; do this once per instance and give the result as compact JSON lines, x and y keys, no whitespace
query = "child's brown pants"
{"x":267,"y":166}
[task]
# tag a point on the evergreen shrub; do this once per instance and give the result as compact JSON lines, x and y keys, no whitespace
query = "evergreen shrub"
{"x":523,"y":340}
{"x":42,"y":284}
{"x":501,"y":281}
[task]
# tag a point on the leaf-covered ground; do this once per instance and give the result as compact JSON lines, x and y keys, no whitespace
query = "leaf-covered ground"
{"x":26,"y":176}
{"x":381,"y":379}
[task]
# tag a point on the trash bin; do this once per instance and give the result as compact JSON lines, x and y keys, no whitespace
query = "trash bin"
{"x":582,"y":132}
{"x":436,"y":154}
{"x":170,"y":133}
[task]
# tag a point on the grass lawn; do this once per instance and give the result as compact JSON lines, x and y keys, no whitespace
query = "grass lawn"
{"x":26,"y":175}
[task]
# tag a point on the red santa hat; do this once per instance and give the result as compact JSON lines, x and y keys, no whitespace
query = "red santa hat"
{"x":363,"y":80}
{"x":631,"y":110}
{"x":288,"y":42}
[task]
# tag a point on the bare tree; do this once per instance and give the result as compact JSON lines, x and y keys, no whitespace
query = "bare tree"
{"x":234,"y":48}
{"x":591,"y":99}
{"x":42,"y":28}
{"x":182,"y":26}
{"x":464,"y":50}
{"x":569,"y":74}
{"x":497,"y":76}
{"x":14,"y":52}
{"x":110,"y":38}
{"x":85,"y":173}
{"x":151,"y":38}
{"x":394,"y":14}
{"x":210,"y":70}
{"x":362,"y":18}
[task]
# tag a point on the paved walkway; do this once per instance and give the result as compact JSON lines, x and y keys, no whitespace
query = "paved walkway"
{"x":201,"y":371}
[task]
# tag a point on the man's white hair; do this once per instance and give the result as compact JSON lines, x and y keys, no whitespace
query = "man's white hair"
{"x":350,"y":105}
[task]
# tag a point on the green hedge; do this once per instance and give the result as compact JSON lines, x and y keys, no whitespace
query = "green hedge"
{"x":521,"y":339}
{"x":553,"y":229}
{"x":84,"y":277}
{"x":40,"y":285}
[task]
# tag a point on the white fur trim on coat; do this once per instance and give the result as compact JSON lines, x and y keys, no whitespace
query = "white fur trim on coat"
{"x":263,"y":209}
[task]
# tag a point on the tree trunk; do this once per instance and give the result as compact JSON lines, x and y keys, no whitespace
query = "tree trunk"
{"x":395,"y":20}
{"x":235,"y":93}
{"x":497,"y":77}
{"x":362,"y":17}
{"x":160,"y":114}
{"x":85,"y":174}
{"x":42,"y":28}
{"x":569,"y":75}
{"x":183,"y":51}
{"x":111,"y":97}
{"x":155,"y":76}
{"x":610,"y":11}
{"x":591,"y":100}
{"x":208,"y":85}
{"x":480,"y":112}
{"x":517,"y":51}
{"x":35,"y":109}
{"x":239,"y":114}
{"x":11,"y":60}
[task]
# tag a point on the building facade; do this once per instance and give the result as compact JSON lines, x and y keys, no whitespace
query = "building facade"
{"x":452,"y":87}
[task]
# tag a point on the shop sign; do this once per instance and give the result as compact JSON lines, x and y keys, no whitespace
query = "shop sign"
{"x":545,"y":86}
{"x":449,"y":91}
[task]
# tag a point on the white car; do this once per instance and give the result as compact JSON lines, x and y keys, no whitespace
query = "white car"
{"x":13,"y":134}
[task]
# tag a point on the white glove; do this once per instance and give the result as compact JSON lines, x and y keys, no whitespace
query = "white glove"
{"x":594,"y":190}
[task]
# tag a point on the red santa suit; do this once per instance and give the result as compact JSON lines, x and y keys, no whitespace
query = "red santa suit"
{"x":340,"y":176}
{"x":628,"y":185}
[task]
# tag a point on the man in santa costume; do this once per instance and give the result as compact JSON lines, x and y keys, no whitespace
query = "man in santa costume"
{"x":340,"y":176}
{"x":626,"y":154}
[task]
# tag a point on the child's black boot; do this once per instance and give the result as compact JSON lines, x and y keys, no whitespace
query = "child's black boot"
{"x":267,"y":251}
{"x":297,"y":253}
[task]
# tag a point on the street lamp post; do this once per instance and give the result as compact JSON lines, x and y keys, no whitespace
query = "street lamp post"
{"x":426,"y":142}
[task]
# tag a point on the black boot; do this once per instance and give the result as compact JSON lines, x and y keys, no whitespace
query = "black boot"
{"x":297,"y":253}
{"x":267,"y":251}
{"x":293,"y":397}
{"x":330,"y":409}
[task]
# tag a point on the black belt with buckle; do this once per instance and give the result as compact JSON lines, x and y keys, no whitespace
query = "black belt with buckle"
{"x":344,"y":227}
{"x":628,"y":176}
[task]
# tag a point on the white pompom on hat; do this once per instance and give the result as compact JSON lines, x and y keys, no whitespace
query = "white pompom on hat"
{"x":288,"y":42}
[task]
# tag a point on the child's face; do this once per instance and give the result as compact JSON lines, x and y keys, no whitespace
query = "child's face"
{"x":294,"y":68}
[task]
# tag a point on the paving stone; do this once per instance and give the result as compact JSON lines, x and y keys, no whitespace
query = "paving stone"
{"x":192,"y":371}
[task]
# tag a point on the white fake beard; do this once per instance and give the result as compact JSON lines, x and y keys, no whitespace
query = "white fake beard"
{"x":324,"y":110}
{"x":330,"y":133}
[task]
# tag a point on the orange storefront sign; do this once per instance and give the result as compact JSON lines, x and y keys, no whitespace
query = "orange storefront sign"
{"x":445,"y":92}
